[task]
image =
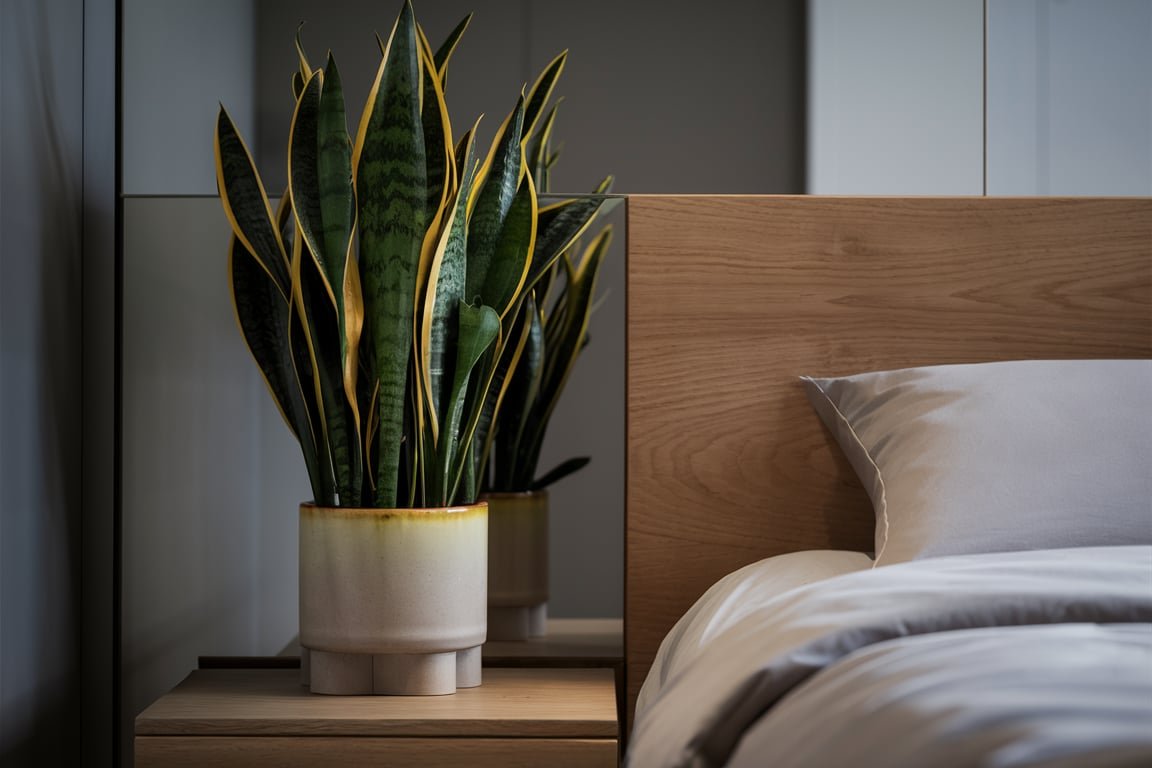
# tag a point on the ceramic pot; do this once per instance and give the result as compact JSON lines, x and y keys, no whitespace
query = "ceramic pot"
{"x":517,"y":564}
{"x":392,"y":601}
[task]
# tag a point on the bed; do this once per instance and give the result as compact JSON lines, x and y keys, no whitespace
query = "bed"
{"x":749,"y":514}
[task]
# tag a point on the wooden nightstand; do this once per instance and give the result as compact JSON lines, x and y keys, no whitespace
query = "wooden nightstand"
{"x":263,"y":717}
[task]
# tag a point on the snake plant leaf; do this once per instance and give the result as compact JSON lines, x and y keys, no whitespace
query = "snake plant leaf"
{"x":498,"y":181}
{"x":559,"y":472}
{"x":487,"y":401}
{"x":523,"y":389}
{"x":311,"y":372}
{"x":509,"y":266}
{"x":437,"y":131}
{"x":338,"y":427}
{"x":246,"y":204}
{"x":301,"y":57}
{"x":391,"y":190}
{"x":561,"y":224}
{"x":541,"y":92}
{"x":322,"y":198}
{"x":264,"y":317}
{"x":444,"y":52}
{"x":478,"y":328}
{"x":538,"y":150}
{"x":445,"y":293}
{"x":578,"y":298}
{"x":338,"y":212}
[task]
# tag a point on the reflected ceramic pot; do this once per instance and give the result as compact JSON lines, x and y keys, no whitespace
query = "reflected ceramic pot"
{"x":392,"y":601}
{"x":517,"y":565}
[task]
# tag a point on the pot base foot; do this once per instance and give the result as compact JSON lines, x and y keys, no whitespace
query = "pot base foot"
{"x":390,"y":674}
{"x":517,"y":622}
{"x":469,"y":672}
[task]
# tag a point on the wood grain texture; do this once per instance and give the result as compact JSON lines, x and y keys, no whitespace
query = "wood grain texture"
{"x":520,"y":703}
{"x":327,"y":752}
{"x":730,"y":299}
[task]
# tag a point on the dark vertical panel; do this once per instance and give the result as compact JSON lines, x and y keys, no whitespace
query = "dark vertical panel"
{"x":98,"y":620}
{"x":41,"y":215}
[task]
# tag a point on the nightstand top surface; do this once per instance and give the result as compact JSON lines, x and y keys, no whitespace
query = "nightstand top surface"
{"x":541,"y":703}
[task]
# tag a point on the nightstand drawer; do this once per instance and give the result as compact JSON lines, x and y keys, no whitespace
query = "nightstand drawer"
{"x":556,"y":717}
{"x":347,"y":752}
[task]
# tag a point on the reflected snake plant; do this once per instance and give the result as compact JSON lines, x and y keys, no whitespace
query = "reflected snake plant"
{"x":554,"y":322}
{"x":381,"y":300}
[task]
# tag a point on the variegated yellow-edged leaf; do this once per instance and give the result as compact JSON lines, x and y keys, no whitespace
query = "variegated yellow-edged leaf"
{"x":478,"y":328}
{"x":301,"y":57}
{"x":498,"y":181}
{"x":391,"y":190}
{"x":541,"y":92}
{"x":246,"y":203}
{"x":538,"y":151}
{"x":561,"y":224}
{"x":523,"y":386}
{"x":440,"y":160}
{"x":561,"y":360}
{"x":263,"y":316}
{"x":444,"y":293}
{"x":508,"y":269}
{"x":444,"y":52}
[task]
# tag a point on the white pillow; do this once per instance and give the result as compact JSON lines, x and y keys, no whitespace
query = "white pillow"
{"x":995,"y":457}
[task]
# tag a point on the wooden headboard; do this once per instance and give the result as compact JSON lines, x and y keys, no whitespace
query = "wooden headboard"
{"x":731,"y":298}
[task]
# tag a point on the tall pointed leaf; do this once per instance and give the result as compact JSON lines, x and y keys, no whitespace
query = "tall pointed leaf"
{"x":561,"y":224}
{"x":538,"y":151}
{"x":523,"y":389}
{"x":444,"y":52}
{"x":500,"y":177}
{"x":541,"y":92}
{"x":581,"y":289}
{"x":509,"y":267}
{"x":246,"y":203}
{"x":437,"y":131}
{"x":445,"y":292}
{"x":478,"y":329}
{"x":319,"y":170}
{"x":265,"y":317}
{"x":391,"y":190}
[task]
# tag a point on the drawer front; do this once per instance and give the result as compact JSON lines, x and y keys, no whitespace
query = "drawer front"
{"x":347,"y":752}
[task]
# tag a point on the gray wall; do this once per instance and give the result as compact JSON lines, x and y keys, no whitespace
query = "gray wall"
{"x":41,"y":215}
{"x":665,"y":97}
{"x":181,"y":60}
{"x":895,"y":97}
{"x":1070,"y":97}
{"x":897,"y":92}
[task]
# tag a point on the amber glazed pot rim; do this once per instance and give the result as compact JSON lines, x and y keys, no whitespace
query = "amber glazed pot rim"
{"x":309,"y":508}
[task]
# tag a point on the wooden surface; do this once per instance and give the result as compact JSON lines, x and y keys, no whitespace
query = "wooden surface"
{"x":224,"y":717}
{"x":541,"y":703}
{"x":322,"y":752}
{"x":730,"y":299}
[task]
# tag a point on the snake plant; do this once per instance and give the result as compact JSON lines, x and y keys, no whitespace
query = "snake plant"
{"x":554,"y":321}
{"x":381,"y":299}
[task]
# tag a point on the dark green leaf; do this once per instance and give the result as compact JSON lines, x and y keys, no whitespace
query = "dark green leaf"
{"x":391,"y":190}
{"x":560,"y":472}
{"x":492,"y":204}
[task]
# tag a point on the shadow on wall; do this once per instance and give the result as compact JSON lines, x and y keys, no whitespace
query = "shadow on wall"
{"x":40,"y":456}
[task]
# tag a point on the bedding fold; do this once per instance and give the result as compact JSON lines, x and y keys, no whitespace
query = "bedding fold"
{"x":695,"y":711}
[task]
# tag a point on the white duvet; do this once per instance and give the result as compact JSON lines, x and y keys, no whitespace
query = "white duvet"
{"x":1008,"y":659}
